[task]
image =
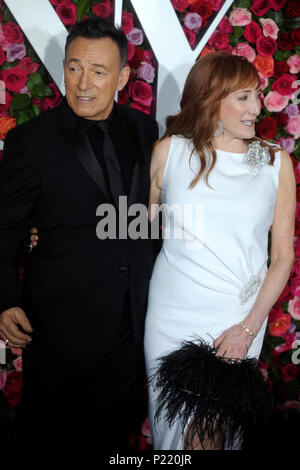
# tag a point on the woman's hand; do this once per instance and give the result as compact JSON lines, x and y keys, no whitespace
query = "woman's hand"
{"x":233,"y":343}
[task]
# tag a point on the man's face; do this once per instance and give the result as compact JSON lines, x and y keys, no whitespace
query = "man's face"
{"x":92,"y":76}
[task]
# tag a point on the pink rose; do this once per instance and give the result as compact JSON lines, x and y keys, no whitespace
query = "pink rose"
{"x":266,"y":46}
{"x":293,"y":126}
{"x":18,"y":364}
{"x":294,"y":63}
{"x":135,"y":36}
{"x":263,"y":81}
{"x":15,"y":79}
{"x":294,"y":285}
{"x":225,"y":25}
{"x":252,"y":32}
{"x":287,"y":143}
{"x":244,"y":49}
{"x":127,"y":22}
{"x":192,"y":21}
{"x":269,"y":28}
{"x":141,"y":92}
{"x":275,"y":102}
{"x":240,"y":17}
{"x":218,"y":40}
{"x":146,"y":72}
{"x":140,"y":107}
{"x":15,"y":51}
{"x":3,"y":40}
{"x":294,"y":308}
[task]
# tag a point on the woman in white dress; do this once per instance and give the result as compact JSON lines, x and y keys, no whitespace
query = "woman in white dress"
{"x":211,"y":279}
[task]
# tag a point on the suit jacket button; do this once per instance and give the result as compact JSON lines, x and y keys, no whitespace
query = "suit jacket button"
{"x":123,"y":268}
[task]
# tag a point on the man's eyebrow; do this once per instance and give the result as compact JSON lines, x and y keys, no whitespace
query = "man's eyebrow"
{"x":73,"y":59}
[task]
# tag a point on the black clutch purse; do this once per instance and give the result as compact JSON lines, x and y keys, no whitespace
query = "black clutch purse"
{"x":215,"y":399}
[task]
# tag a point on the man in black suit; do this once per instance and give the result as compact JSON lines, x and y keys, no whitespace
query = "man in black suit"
{"x":80,"y":318}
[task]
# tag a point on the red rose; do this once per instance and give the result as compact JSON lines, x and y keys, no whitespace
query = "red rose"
{"x":283,"y":84}
{"x":123,"y":96}
{"x":277,"y":4}
{"x":190,"y":35}
{"x":279,"y":322}
{"x":13,"y":388}
{"x":180,"y":5}
{"x":67,"y":12}
{"x":219,"y":40}
{"x":140,"y":92}
{"x":137,"y":58}
{"x":280,"y":67}
{"x":127,"y":22}
{"x":53,"y":101}
{"x":102,"y":9}
{"x":292,"y":8}
{"x":1,"y":155}
{"x":28,"y":65}
{"x":284,"y":41}
{"x":203,"y":8}
{"x":131,"y":51}
{"x":267,"y":128}
{"x":140,"y":107}
{"x":252,"y":32}
{"x":2,"y":56}
{"x":295,"y":36}
{"x":12,"y":32}
{"x":266,"y":46}
{"x":281,"y":119}
{"x":225,"y":26}
{"x":260,"y":7}
{"x":289,"y":372}
{"x":15,"y":79}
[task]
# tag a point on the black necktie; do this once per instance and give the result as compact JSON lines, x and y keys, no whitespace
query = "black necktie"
{"x":112,"y":162}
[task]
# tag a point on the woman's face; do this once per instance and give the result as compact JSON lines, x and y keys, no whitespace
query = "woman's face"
{"x":238,"y":112}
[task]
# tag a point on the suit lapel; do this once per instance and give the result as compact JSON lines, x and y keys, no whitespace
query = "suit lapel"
{"x":77,"y":141}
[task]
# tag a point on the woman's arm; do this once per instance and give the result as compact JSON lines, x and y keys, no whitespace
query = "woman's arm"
{"x":158,"y":162}
{"x":235,"y":341}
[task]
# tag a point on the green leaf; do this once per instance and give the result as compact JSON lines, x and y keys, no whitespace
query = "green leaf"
{"x":245,"y":3}
{"x":34,"y":79}
{"x":36,"y":110}
{"x":48,"y":91}
{"x":39,"y":91}
{"x":82,"y":9}
{"x":8,"y":16}
{"x":238,"y":31}
{"x":19,"y":102}
{"x":23,"y":117}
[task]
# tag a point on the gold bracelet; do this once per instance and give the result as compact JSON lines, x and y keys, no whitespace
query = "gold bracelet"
{"x":247,"y":329}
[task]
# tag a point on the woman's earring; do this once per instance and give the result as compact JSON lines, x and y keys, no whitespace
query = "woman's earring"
{"x":219,"y":129}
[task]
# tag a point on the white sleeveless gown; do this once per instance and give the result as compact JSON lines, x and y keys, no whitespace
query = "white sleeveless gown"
{"x":200,"y":278}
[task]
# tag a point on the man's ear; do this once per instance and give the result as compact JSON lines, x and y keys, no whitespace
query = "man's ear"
{"x":123,"y":77}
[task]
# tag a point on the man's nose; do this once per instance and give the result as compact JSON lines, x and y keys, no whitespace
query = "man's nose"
{"x":84,"y":82}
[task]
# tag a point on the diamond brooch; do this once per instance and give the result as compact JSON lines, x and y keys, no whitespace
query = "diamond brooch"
{"x":249,"y":289}
{"x":256,"y":157}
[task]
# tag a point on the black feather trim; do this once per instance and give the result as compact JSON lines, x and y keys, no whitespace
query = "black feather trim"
{"x":219,"y":401}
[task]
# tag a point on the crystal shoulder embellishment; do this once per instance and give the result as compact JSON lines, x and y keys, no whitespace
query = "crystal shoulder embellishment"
{"x":256,"y":157}
{"x":249,"y":289}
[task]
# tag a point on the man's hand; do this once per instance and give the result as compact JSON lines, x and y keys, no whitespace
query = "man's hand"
{"x":33,"y":238}
{"x":9,"y":321}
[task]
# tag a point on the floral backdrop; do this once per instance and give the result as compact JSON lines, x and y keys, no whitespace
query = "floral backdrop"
{"x":267,"y":32}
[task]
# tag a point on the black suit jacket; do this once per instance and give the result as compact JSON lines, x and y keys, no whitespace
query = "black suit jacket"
{"x":75,"y":284}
